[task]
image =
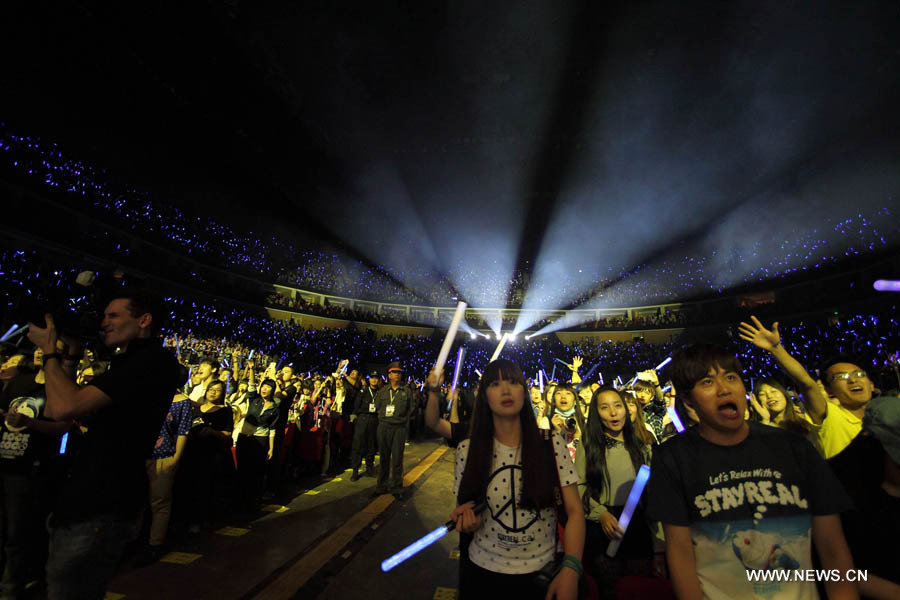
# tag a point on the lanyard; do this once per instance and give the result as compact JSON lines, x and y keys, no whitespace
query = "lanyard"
{"x":392,"y":395}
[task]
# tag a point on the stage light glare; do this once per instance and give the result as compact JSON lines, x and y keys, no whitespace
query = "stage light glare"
{"x":473,"y":336}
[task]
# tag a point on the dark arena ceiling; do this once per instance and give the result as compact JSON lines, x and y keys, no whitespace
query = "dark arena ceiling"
{"x":559,"y":139}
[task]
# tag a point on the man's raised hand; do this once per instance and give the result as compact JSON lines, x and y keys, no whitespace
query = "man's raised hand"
{"x":759,"y":336}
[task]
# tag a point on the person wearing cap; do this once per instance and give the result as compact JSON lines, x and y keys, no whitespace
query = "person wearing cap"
{"x":394,"y":404}
{"x":365,"y":432}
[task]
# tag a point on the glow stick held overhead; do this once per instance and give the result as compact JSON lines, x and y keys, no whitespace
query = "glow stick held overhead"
{"x":460,"y":356}
{"x":541,"y":380}
{"x":633,"y":497}
{"x":451,"y":335}
{"x":499,"y":348}
{"x":18,"y":331}
{"x":9,"y":332}
{"x":663,"y":364}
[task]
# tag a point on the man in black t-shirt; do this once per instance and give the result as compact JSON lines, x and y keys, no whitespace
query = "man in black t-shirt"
{"x":740,"y":500}
{"x":99,"y":507}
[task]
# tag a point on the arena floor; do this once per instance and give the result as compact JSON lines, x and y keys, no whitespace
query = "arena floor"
{"x":325,"y":541}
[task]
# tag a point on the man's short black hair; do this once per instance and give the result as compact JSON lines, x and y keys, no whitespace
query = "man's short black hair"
{"x":693,"y":363}
{"x":839,"y":358}
{"x":140,"y":302}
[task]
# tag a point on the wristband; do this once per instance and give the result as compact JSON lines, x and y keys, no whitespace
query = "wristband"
{"x":52,"y":355}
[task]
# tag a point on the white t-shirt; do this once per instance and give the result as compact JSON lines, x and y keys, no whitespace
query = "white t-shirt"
{"x":514,"y":540}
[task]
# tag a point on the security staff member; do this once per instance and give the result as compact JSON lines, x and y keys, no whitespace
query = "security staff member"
{"x":365,"y":432}
{"x":394,"y":404}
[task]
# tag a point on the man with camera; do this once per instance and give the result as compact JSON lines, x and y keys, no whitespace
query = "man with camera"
{"x":99,"y":507}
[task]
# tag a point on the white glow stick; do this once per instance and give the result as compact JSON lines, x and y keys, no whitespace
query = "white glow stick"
{"x":499,"y":348}
{"x":460,"y":356}
{"x":663,"y":363}
{"x":479,"y":373}
{"x":541,"y":380}
{"x":451,"y":335}
{"x":633,"y":497}
{"x":600,"y":373}
{"x":676,"y":420}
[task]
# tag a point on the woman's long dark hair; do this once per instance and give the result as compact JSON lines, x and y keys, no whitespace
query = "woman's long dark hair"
{"x":539,"y":475}
{"x":594,"y":441}
{"x":791,"y":421}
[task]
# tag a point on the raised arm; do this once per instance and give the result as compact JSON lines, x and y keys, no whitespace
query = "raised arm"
{"x":432,"y":406}
{"x":770,"y":341}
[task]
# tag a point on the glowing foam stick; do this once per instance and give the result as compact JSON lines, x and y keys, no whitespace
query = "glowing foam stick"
{"x":499,"y":348}
{"x":663,"y":363}
{"x":478,"y":373}
{"x":424,"y":542}
{"x":251,"y":354}
{"x":601,"y":377}
{"x":562,"y":362}
{"x":18,"y":331}
{"x":584,"y":379}
{"x":460,"y":356}
{"x":676,"y":420}
{"x":553,"y":374}
{"x":541,"y":380}
{"x":633,"y":497}
{"x":887,"y":285}
{"x":344,"y":369}
{"x":667,"y":388}
{"x":9,"y":332}
{"x":63,"y":442}
{"x":451,"y":335}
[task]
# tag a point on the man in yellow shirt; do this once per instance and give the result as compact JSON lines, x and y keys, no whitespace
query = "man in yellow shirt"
{"x":844,"y":380}
{"x":850,"y":384}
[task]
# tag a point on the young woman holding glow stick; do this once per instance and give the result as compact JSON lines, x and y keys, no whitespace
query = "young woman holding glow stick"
{"x":607,"y":464}
{"x":508,"y":462}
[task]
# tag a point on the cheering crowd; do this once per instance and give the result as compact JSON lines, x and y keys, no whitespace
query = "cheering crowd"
{"x":246,"y":411}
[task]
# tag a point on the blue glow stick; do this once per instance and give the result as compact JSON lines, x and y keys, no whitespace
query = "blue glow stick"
{"x":663,"y":363}
{"x":601,"y":377}
{"x":63,"y":442}
{"x":562,"y":362}
{"x":18,"y":331}
{"x":424,"y":542}
{"x":251,"y":354}
{"x":460,"y":356}
{"x":587,"y":376}
{"x":887,"y":285}
{"x":676,"y":420}
{"x":9,"y":332}
{"x":667,"y":388}
{"x":633,"y":497}
{"x":553,"y":374}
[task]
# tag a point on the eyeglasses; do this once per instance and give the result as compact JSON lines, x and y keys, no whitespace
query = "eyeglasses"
{"x":858,"y":374}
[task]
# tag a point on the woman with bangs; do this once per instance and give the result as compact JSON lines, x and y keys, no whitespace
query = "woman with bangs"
{"x":642,"y":431}
{"x":607,"y":465}
{"x":516,"y":470}
{"x":772,"y":405}
{"x":564,"y":416}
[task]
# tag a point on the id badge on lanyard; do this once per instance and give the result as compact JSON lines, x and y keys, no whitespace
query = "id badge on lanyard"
{"x":389,"y":410}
